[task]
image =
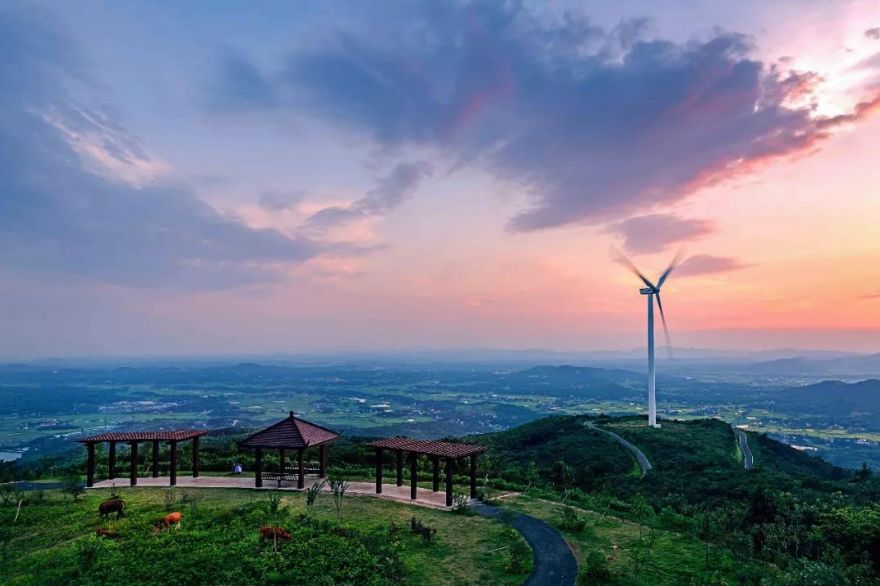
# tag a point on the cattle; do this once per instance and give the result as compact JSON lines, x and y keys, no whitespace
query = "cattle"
{"x":167,"y":521}
{"x":108,"y":533}
{"x":113,"y":505}
{"x":274,"y":534}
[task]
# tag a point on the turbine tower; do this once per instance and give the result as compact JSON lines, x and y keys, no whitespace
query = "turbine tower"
{"x":652,"y":291}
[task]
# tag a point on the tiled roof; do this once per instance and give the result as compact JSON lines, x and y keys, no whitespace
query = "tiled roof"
{"x":142,"y":436}
{"x":429,"y":448}
{"x":291,"y":432}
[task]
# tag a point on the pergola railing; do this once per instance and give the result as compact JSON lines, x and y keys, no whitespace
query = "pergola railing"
{"x":133,"y":438}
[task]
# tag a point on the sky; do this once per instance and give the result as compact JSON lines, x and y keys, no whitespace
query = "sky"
{"x":212,"y":178}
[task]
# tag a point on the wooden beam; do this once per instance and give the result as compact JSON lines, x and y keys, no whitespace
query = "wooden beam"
{"x":301,"y":477}
{"x":413,"y":475}
{"x":399,"y":467}
{"x":133,"y":470}
{"x":322,"y":461}
{"x":258,"y":464}
{"x":155,"y":459}
{"x":173,"y":481}
{"x":195,"y":456}
{"x":378,"y":470}
{"x":435,"y":460}
{"x":473,"y":476}
{"x":450,"y":470}
{"x":111,"y":461}
{"x":90,"y":464}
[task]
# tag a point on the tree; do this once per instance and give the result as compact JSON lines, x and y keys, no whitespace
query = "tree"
{"x":338,"y":487}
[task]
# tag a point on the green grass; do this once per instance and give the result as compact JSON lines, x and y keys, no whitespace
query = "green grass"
{"x":218,"y":541}
{"x":674,"y":558}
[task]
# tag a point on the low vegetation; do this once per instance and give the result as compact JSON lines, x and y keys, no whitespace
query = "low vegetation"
{"x":218,"y":542}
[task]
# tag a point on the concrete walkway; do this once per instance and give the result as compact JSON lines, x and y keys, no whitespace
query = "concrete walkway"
{"x":640,"y":456}
{"x":426,"y":498}
{"x":554,"y":564}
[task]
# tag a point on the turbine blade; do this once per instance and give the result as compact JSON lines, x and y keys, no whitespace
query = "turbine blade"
{"x":622,"y":259}
{"x":675,"y":262}
{"x":665,"y":329}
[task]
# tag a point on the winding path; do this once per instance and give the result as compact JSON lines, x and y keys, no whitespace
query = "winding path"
{"x":640,"y":456}
{"x":743,"y":439}
{"x":554,"y":564}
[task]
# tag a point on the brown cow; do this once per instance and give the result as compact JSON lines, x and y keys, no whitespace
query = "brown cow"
{"x":104,"y":532}
{"x":274,"y":534}
{"x":114,"y":505}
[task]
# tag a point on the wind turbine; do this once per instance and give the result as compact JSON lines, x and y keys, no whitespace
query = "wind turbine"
{"x":651,"y":291}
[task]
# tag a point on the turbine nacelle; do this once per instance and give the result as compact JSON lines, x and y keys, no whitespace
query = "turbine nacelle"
{"x":648,"y":291}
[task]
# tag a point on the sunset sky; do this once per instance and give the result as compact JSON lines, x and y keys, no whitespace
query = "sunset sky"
{"x":211,"y":178}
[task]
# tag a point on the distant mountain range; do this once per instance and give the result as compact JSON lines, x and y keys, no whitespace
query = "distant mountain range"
{"x":834,"y":398}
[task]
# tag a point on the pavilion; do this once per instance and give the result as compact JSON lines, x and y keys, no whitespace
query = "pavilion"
{"x":451,"y":452}
{"x":133,"y":438}
{"x":291,"y":433}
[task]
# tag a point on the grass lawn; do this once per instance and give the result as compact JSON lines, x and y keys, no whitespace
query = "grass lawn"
{"x":53,"y":541}
{"x":673,"y":559}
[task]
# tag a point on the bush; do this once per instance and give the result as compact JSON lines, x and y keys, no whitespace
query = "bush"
{"x":72,"y":486}
{"x":426,"y":532}
{"x":461,"y":504}
{"x":520,"y":553}
{"x":572,"y":521}
{"x":595,"y":568}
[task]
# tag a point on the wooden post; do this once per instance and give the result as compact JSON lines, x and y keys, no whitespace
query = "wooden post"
{"x":473,"y":476}
{"x":90,"y":464}
{"x":173,"y":481}
{"x":195,"y":457}
{"x":435,"y":460}
{"x":281,"y":459}
{"x":133,"y":472}
{"x":301,"y":477}
{"x":111,"y":461}
{"x":155,"y":458}
{"x":258,"y":464}
{"x":322,"y":461}
{"x":399,"y":467}
{"x":378,"y":470}
{"x":413,"y":474}
{"x":450,"y":465}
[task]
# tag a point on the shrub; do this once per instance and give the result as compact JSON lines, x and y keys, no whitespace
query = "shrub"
{"x":273,"y":499}
{"x":169,"y":497}
{"x":520,"y":553}
{"x":312,"y":493}
{"x":572,"y":521}
{"x":427,"y":533}
{"x":461,"y":504}
{"x":595,"y":568}
{"x":72,"y":486}
{"x":338,"y":487}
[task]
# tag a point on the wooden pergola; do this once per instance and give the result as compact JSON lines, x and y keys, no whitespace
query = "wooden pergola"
{"x":435,"y":450}
{"x":291,"y":433}
{"x":133,"y":438}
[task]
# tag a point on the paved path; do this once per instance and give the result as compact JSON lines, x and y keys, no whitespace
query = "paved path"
{"x":426,"y":498}
{"x":554,"y":564}
{"x":640,"y":456}
{"x":743,"y":439}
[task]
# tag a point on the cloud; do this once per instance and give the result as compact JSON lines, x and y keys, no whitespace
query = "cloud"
{"x":873,"y":33}
{"x":703,"y":264}
{"x":874,"y":295}
{"x":594,"y":124}
{"x":80,"y":196}
{"x":388,"y":194}
{"x":654,"y":232}
{"x":275,"y":201}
